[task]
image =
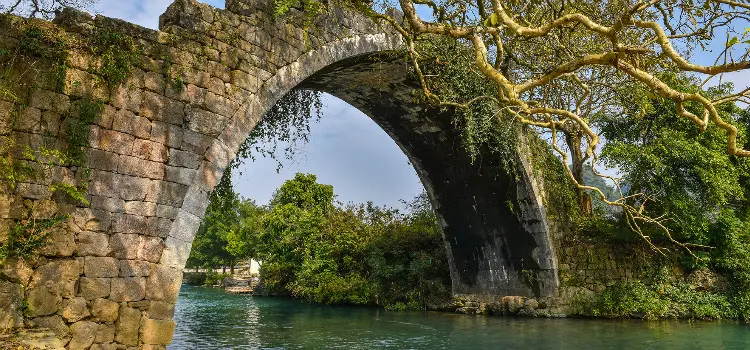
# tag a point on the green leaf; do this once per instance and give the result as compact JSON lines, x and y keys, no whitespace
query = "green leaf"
{"x":732,"y":41}
{"x":492,"y":20}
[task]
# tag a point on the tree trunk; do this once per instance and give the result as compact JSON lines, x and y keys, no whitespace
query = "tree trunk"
{"x":231,"y":268}
{"x":223,"y":269}
{"x":574,"y":144}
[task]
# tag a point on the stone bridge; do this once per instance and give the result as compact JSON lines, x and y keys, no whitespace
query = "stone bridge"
{"x":110,"y":276}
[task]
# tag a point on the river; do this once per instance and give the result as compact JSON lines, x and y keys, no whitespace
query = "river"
{"x":210,"y":319}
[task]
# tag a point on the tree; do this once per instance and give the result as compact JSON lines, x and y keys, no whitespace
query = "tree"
{"x":226,"y":233}
{"x":242,"y":237}
{"x":684,"y":173}
{"x":42,"y":8}
{"x":558,"y":66}
{"x":296,"y":219}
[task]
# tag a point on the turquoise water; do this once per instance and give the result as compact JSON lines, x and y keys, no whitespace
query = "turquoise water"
{"x":211,"y":319}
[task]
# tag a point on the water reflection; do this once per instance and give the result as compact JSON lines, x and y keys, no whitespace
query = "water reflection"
{"x":212,"y":319}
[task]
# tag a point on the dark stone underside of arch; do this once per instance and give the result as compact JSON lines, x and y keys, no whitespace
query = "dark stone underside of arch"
{"x":493,"y":250}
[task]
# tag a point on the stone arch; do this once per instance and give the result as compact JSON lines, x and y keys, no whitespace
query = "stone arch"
{"x":115,"y":267}
{"x":493,"y":251}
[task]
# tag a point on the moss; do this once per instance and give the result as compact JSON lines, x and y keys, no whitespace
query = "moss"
{"x":49,"y":44}
{"x":77,"y":129}
{"x":560,"y":197}
{"x":118,"y":54}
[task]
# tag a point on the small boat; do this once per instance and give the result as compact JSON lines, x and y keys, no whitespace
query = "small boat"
{"x":239,"y":290}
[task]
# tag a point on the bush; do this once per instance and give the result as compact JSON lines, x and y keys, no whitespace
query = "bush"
{"x":668,"y":300}
{"x":194,"y":278}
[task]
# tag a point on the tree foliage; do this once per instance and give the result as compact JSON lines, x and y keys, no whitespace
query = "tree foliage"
{"x":357,"y":254}
{"x":560,"y":66}
{"x":318,"y":251}
{"x":225,"y":234}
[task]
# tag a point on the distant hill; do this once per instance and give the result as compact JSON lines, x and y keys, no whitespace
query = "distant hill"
{"x":602,"y":184}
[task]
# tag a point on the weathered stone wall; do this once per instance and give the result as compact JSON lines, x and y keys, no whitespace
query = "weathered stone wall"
{"x":110,"y":276}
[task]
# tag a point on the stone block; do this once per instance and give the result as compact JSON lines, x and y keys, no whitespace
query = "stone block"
{"x":158,"y":227}
{"x":101,"y":266}
{"x":16,"y":270}
{"x":6,"y":203}
{"x":60,"y":276}
{"x":195,"y":142}
{"x":79,"y":83}
{"x":128,"y":289}
{"x":103,"y":160}
{"x":74,"y":309}
{"x":112,"y":205}
{"x":93,"y":288}
{"x":190,"y":94}
{"x":205,"y":122}
{"x":125,"y":246}
{"x":105,"y":310}
{"x":105,"y":183}
{"x":133,"y":188}
{"x":126,"y":223}
{"x":196,"y":201}
{"x":33,"y":191}
{"x":29,"y":120}
{"x":115,"y":141}
{"x":49,"y":100}
{"x":83,"y":335}
{"x":129,"y":123}
{"x":150,"y":249}
{"x":169,"y":193}
{"x":55,"y":324}
{"x":135,"y":268}
{"x":183,"y":159}
{"x":166,"y":211}
{"x":128,"y":165}
{"x":153,"y":81}
{"x":50,"y":122}
{"x":42,"y":300}
{"x":159,"y":310}
{"x":179,"y":175}
{"x":185,"y":226}
{"x":167,"y":134}
{"x":149,"y":150}
{"x":11,"y":304}
{"x":92,"y":219}
{"x":176,"y":252}
{"x":219,"y":154}
{"x":209,"y":176}
{"x":163,"y":283}
{"x":127,"y":326}
{"x":127,"y":97}
{"x":61,"y":243}
{"x":106,"y":117}
{"x":158,"y":332}
{"x":246,"y":81}
{"x":92,"y":244}
{"x":106,"y":333}
{"x":140,"y":208}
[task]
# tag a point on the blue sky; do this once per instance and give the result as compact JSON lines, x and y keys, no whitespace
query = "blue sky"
{"x":346,"y":149}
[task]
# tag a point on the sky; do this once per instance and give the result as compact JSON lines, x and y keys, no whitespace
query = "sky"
{"x":346,"y":148}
